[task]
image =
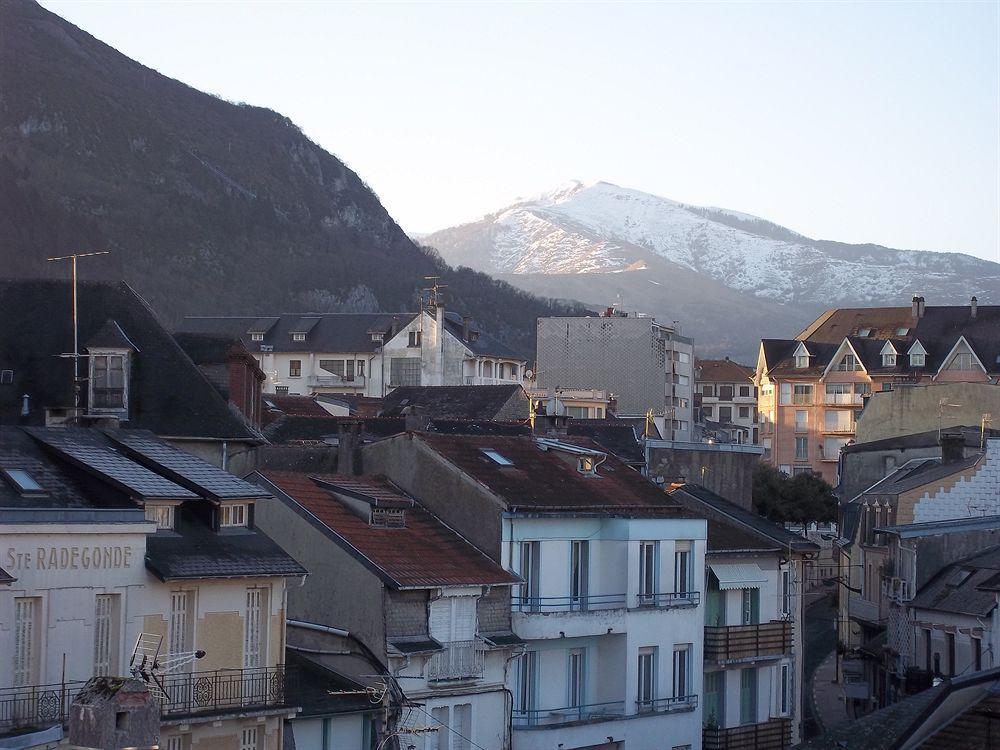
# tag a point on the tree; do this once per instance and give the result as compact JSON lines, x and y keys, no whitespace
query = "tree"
{"x":803,"y":498}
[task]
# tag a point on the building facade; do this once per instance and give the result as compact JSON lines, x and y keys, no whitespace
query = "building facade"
{"x":812,"y":388}
{"x":728,"y":401}
{"x":643,"y":365}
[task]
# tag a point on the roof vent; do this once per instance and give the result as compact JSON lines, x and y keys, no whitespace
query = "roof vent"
{"x":6,"y":377}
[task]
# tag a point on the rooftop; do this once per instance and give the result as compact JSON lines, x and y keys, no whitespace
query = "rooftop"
{"x":459,"y":401}
{"x":722,"y":371}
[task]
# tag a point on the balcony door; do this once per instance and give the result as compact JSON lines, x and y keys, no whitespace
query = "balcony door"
{"x":682,"y":671}
{"x":529,"y":572}
{"x":647,"y":572}
{"x":647,"y":679}
{"x":748,"y":696}
{"x":527,"y":678}
{"x":577,"y":678}
{"x":683,"y":573}
{"x":579,"y":574}
{"x":751,"y":606}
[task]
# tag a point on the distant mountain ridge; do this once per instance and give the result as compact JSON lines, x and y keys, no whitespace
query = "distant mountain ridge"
{"x":208,"y":207}
{"x":626,"y":240}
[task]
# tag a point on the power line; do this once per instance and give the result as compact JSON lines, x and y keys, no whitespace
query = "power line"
{"x":450,"y":729}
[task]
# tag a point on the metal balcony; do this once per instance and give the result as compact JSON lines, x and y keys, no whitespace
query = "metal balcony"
{"x":735,"y":643}
{"x":669,"y":599}
{"x":667,"y":705}
{"x":775,"y":734}
{"x":567,"y":603}
{"x":547,"y":717}
{"x":188,"y":694}
{"x":459,"y":660}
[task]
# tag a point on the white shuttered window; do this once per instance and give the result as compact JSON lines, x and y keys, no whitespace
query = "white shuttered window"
{"x":255,"y":630}
{"x":453,"y":618}
{"x":26,"y":614}
{"x":106,"y":634}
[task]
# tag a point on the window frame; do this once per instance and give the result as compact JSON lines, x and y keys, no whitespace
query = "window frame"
{"x":93,"y":380}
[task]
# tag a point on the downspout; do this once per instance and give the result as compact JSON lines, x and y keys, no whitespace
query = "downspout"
{"x":225,"y":455}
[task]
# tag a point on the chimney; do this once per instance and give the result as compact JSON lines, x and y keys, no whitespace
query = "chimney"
{"x":25,"y":405}
{"x":466,"y":325}
{"x":952,"y":447}
{"x":551,"y":425}
{"x":349,"y":447}
{"x":972,"y":307}
{"x":415,"y":419}
{"x":917,"y":310}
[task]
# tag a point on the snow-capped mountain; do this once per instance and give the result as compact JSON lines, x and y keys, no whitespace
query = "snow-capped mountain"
{"x":603,"y":228}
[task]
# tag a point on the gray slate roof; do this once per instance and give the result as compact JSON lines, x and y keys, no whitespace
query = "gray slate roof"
{"x":917,"y":473}
{"x":956,"y":587}
{"x":454,"y":401}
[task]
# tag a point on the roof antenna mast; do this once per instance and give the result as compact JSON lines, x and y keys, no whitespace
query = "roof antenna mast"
{"x":76,"y":323}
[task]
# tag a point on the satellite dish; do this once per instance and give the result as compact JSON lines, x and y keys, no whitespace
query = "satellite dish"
{"x":529,"y":374}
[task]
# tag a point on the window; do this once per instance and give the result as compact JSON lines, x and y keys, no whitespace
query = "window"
{"x":917,"y":359}
{"x":376,"y":337}
{"x":413,"y":339}
{"x":786,"y":592}
{"x":709,"y":411}
{"x":977,"y":654}
{"x":439,"y":740}
{"x":404,"y":371}
{"x":335,"y":366}
{"x":801,"y":470}
{"x":928,"y":645}
{"x":586,"y":465}
{"x":744,"y":391}
{"x":529,"y":572}
{"x":233,"y":515}
{"x":725,"y":414}
{"x":163,"y":515}
{"x":802,"y":421}
{"x":682,"y":357}
{"x":577,"y":678}
{"x":848,"y":363}
{"x":249,"y":739}
{"x":27,"y":632}
{"x":497,"y":458}
{"x":681,"y":380}
{"x":180,"y":635}
{"x":708,"y":390}
{"x":889,"y":359}
{"x":865,"y":332}
{"x":801,"y":361}
{"x":802,"y":394}
{"x":725,"y":393}
{"x":751,"y":606}
{"x":23,"y":482}
{"x":962,"y":361}
{"x":295,"y":368}
{"x":452,"y":619}
{"x":748,"y":696}
{"x":255,"y":629}
{"x":526,"y":680}
{"x":839,"y":420}
{"x":949,"y":639}
{"x":902,"y":331}
{"x":744,"y":412}
{"x":785,"y":689}
{"x":361,"y":368}
{"x":256,"y":336}
{"x":801,"y":449}
{"x":107,"y":382}
{"x":298,"y":337}
{"x":683,"y":572}
{"x":647,"y":678}
{"x":682,"y":670}
{"x":715,"y":699}
{"x":832,"y":446}
{"x":579,"y":574}
{"x":462,"y":719}
{"x":785,"y":393}
{"x":785,"y":469}
{"x":178,"y":742}
{"x":647,"y":572}
{"x":106,"y":634}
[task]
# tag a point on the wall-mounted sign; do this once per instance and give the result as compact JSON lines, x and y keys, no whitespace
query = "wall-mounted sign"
{"x":87,"y":557}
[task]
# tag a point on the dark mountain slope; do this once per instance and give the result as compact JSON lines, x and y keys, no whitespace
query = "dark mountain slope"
{"x":208,"y":206}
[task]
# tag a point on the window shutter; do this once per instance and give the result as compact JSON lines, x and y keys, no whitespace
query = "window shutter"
{"x":464,"y":622}
{"x":439,"y":621}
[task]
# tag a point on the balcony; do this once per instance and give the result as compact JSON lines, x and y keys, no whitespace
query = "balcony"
{"x":459,"y":660}
{"x":336,"y":381}
{"x":775,"y":734}
{"x":738,"y":643}
{"x":188,"y":694}
{"x":843,"y":399}
{"x":668,"y":600}
{"x":588,"y":603}
{"x":481,"y":380}
{"x":667,"y":705}
{"x":862,"y":610}
{"x":548,"y":717}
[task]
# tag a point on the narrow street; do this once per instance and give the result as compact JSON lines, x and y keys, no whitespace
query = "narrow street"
{"x":820,"y":638}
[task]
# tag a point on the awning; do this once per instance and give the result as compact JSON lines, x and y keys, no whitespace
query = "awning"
{"x":739,"y":576}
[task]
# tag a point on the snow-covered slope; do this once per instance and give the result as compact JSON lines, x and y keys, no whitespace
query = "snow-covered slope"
{"x":603,"y":228}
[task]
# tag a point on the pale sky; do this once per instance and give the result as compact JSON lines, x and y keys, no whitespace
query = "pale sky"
{"x":859,"y":122}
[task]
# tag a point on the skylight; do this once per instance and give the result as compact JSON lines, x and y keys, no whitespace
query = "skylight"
{"x":902,"y":331}
{"x":497,"y":458}
{"x":864,"y":332}
{"x":23,"y":481}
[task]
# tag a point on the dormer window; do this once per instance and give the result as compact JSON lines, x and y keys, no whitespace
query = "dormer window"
{"x":388,"y":518}
{"x":801,"y":357}
{"x":917,"y":359}
{"x":108,"y":382}
{"x":587,"y":466}
{"x":233,"y":515}
{"x":256,"y":336}
{"x":162,"y":515}
{"x":376,"y":337}
{"x":23,"y":482}
{"x":849,"y":363}
{"x":889,"y":359}
{"x":298,"y":337}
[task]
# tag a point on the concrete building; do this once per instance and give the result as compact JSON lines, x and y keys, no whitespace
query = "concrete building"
{"x":644,"y":365}
{"x":811,"y":388}
{"x":755,"y":576}
{"x":726,"y":469}
{"x":430,"y":606}
{"x":577,"y":403}
{"x":728,"y":400}
{"x":611,"y":606}
{"x":109,"y":536}
{"x":907,"y":410}
{"x":367,"y":354}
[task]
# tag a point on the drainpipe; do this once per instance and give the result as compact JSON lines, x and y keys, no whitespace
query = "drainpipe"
{"x":225,"y":455}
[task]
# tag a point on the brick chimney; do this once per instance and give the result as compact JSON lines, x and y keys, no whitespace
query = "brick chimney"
{"x":952,"y":447}
{"x":917,"y":310}
{"x":973,"y":305}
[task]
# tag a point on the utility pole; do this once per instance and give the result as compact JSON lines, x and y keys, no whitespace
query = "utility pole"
{"x":76,"y":323}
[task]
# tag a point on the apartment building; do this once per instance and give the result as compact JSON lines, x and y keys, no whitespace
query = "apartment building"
{"x":645,"y":366}
{"x":728,"y":400}
{"x":755,"y":576}
{"x":578,"y":403}
{"x":610,"y":604}
{"x":109,"y":536}
{"x":434,"y":609}
{"x":812,"y":388}
{"x":367,"y":354}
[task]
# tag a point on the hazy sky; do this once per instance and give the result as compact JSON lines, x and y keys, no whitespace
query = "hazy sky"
{"x":858,"y":122}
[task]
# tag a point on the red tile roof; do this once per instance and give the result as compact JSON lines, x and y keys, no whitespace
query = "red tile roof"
{"x":542,"y":480}
{"x":424,"y":554}
{"x":296,"y":406}
{"x":722,"y":371}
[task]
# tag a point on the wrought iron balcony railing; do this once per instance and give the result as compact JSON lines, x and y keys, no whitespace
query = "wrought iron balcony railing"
{"x":187,"y":695}
{"x":553,"y":716}
{"x":567,"y":603}
{"x":459,"y":660}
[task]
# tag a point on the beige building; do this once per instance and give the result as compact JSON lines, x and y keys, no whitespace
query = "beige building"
{"x":922,"y":408}
{"x":812,"y":387}
{"x":112,"y":539}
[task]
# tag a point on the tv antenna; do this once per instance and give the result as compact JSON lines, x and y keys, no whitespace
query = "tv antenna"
{"x":147,"y":665}
{"x":434,"y":290}
{"x":76,"y":322}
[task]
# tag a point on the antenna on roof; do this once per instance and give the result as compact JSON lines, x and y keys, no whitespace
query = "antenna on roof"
{"x":434,"y":290}
{"x":76,"y":323}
